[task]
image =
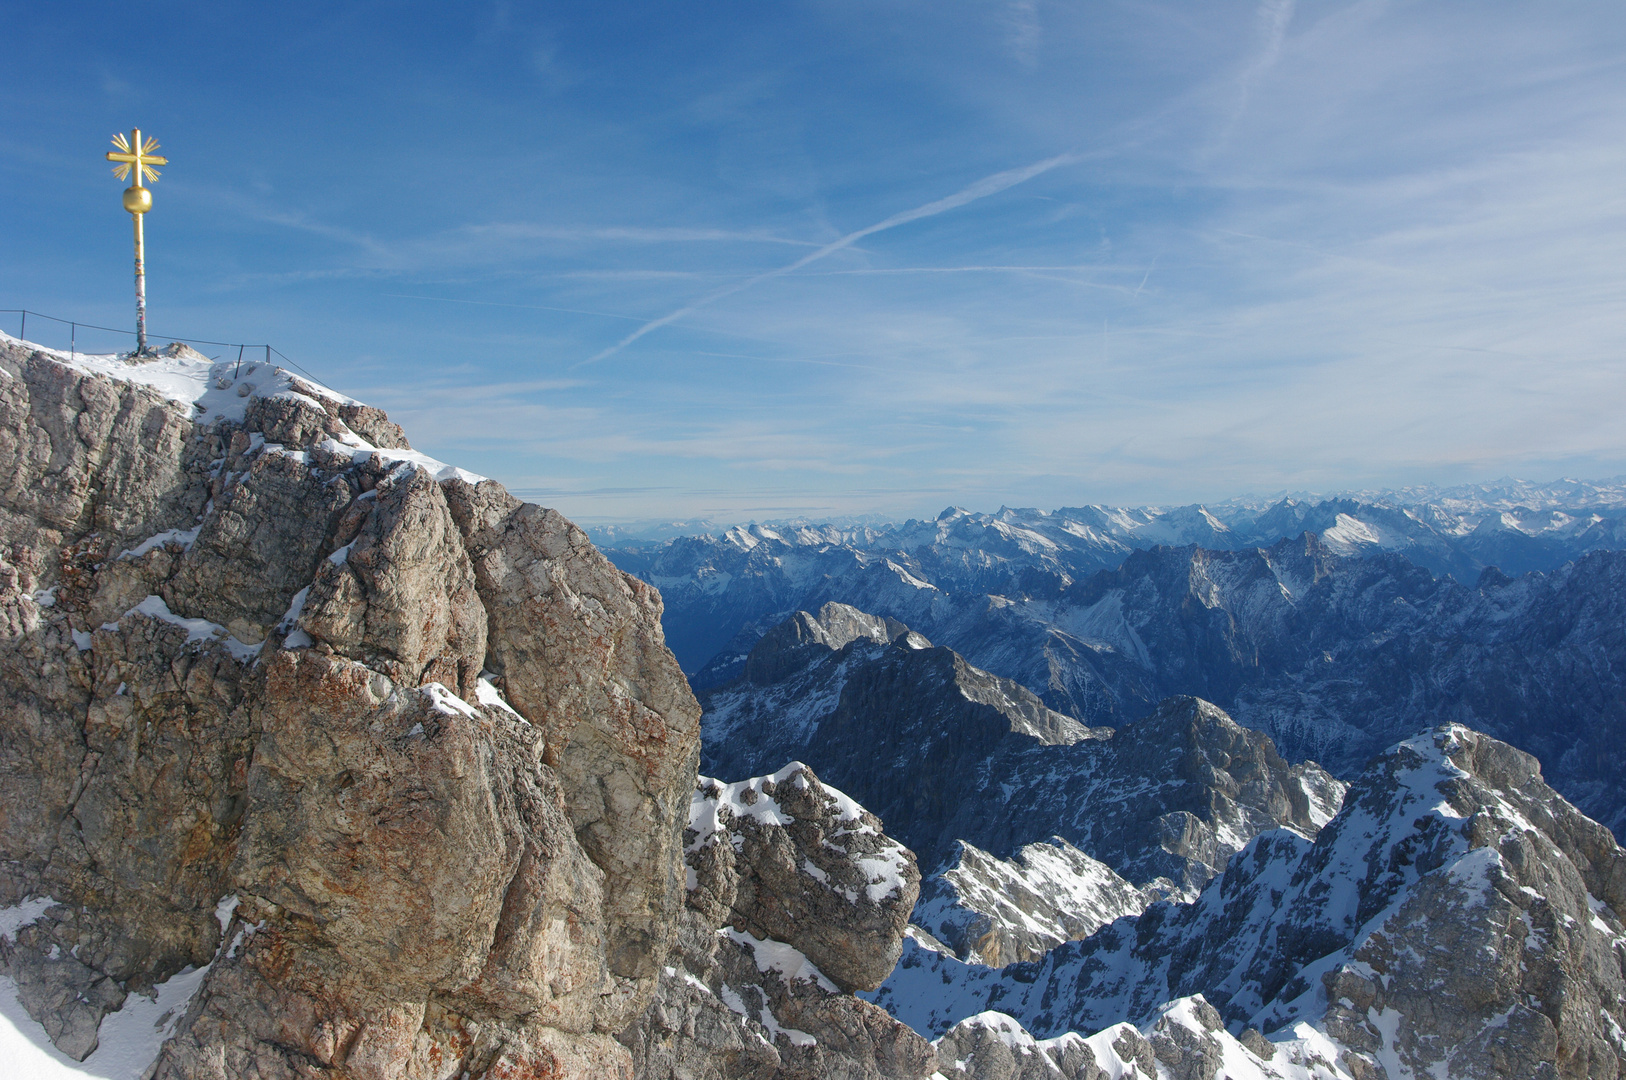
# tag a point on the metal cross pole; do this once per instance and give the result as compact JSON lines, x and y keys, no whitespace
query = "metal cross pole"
{"x":136,"y":160}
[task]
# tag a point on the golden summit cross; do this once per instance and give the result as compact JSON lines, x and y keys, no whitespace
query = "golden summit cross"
{"x":136,"y":160}
{"x":136,"y":154}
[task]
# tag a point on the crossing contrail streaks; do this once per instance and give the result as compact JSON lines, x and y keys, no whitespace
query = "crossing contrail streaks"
{"x":988,"y":185}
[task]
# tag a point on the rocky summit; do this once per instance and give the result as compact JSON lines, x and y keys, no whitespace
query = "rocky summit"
{"x":321,"y":759}
{"x":796,"y":898}
{"x":400,"y":763}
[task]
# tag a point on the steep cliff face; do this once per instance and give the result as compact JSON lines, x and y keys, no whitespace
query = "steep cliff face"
{"x":399,"y":764}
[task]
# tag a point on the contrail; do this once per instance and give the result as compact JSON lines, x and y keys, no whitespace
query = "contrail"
{"x":988,"y":185}
{"x":1272,"y":18}
{"x":1148,"y":276}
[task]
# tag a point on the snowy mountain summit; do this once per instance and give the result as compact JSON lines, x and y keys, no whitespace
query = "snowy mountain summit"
{"x":950,"y":755}
{"x":1457,"y":918}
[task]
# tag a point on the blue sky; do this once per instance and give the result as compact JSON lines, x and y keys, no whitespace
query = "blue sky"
{"x":746,"y":260}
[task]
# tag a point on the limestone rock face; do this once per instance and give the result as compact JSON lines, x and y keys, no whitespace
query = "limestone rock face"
{"x":400,"y":827}
{"x":795,"y":896}
{"x":399,"y":594}
{"x":375,"y":770}
{"x":373,"y":425}
{"x":272,"y":523}
{"x":82,"y":454}
{"x":788,"y":858}
{"x":577,"y":645}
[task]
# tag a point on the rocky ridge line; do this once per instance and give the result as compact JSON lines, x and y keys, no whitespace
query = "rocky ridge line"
{"x":993,"y":911}
{"x":788,"y":856}
{"x":947,"y":753}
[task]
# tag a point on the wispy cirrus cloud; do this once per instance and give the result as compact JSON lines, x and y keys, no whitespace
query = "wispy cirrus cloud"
{"x":1022,"y":32}
{"x":671,"y":234}
{"x":988,"y":185}
{"x":1331,"y":245}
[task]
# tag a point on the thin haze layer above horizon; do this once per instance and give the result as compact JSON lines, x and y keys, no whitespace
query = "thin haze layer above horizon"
{"x":824,"y":259}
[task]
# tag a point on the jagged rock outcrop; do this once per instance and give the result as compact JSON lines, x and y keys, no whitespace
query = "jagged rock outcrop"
{"x":997,"y":911}
{"x":385,"y":769}
{"x":796,"y":897}
{"x":1457,"y":918}
{"x":945,"y":752}
{"x":398,"y":593}
{"x":786,"y":857}
{"x":81,"y":454}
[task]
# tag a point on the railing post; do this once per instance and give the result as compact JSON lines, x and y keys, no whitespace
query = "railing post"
{"x":73,"y":341}
{"x":22,"y":335}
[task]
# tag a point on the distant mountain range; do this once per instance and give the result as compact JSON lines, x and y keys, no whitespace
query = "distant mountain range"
{"x":1467,"y":500}
{"x":1335,"y":641}
{"x":720,"y":583}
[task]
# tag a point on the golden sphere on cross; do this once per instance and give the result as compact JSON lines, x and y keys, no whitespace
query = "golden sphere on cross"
{"x":136,"y":159}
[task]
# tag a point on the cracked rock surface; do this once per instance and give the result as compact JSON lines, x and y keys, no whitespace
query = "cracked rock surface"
{"x":796,"y":897}
{"x":389,"y":769}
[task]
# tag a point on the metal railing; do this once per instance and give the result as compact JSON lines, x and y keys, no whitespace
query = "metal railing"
{"x":74,"y":327}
